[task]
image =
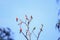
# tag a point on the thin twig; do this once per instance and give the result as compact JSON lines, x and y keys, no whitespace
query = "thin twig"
{"x":25,"y":36}
{"x":38,"y":35}
{"x":40,"y":31}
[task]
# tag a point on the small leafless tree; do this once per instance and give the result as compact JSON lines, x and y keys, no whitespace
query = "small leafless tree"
{"x":28,"y":33}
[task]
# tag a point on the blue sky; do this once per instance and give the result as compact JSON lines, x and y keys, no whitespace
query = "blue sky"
{"x":43,"y":11}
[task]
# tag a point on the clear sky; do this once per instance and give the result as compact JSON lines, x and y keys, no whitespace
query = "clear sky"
{"x":43,"y":11}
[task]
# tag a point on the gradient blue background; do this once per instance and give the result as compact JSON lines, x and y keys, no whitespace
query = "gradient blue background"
{"x":43,"y":11}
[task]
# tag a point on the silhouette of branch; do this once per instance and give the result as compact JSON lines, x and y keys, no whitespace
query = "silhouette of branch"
{"x":25,"y":36}
{"x":40,"y":31}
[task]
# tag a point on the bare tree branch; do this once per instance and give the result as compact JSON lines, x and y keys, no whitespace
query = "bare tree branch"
{"x":25,"y":36}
